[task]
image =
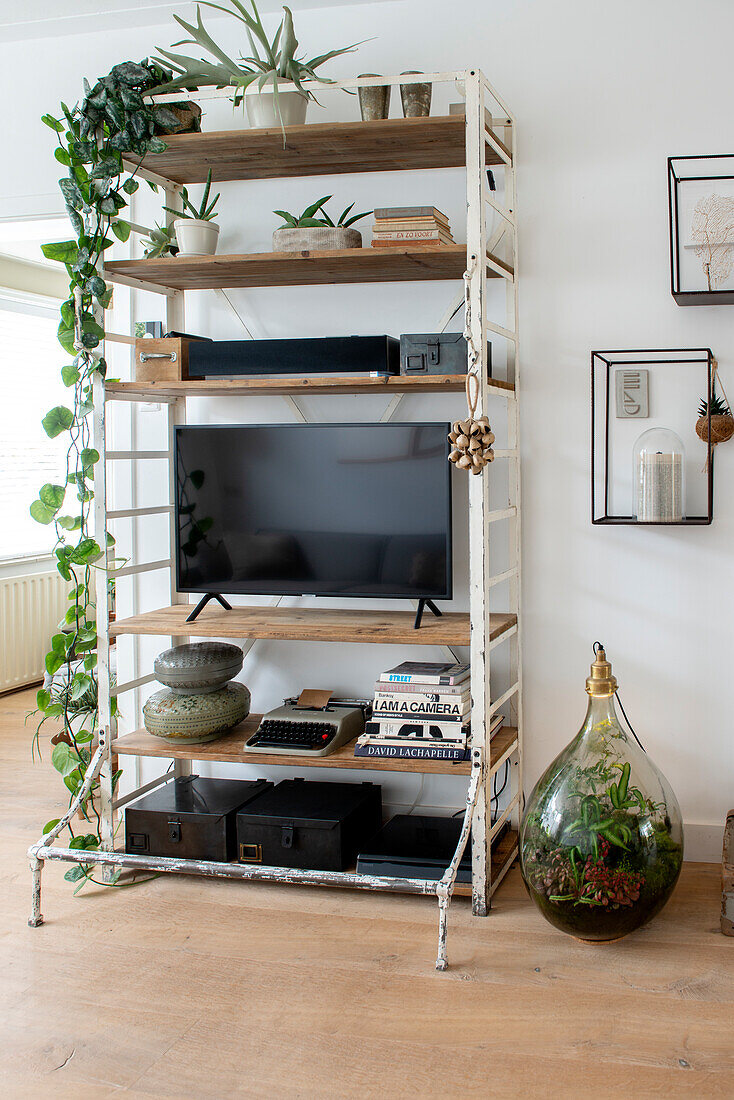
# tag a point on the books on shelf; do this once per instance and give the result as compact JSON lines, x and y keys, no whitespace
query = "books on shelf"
{"x":417,"y":730}
{"x":399,"y":226}
{"x":443,"y":673}
{"x":421,"y":710}
{"x":388,"y":748}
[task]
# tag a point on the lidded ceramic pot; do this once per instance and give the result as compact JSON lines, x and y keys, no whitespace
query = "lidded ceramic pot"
{"x":194,"y":719}
{"x":198,"y":667}
{"x":601,"y":843}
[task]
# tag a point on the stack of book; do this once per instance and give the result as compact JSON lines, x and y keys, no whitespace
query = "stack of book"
{"x":400,"y":226}
{"x":421,"y":710}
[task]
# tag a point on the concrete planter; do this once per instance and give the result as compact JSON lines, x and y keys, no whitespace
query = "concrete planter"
{"x":315,"y":239}
{"x":196,"y":238}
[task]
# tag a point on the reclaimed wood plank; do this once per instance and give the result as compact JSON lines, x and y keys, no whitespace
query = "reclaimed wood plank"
{"x":309,"y":624}
{"x":263,"y":269}
{"x":327,"y":148}
{"x":228,"y":749}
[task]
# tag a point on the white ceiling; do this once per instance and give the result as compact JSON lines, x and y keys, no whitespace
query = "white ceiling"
{"x":43,"y":18}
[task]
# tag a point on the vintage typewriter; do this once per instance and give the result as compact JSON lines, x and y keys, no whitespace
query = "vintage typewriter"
{"x":314,"y":724}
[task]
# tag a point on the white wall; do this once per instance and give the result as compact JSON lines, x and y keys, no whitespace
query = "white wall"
{"x":603,"y":94}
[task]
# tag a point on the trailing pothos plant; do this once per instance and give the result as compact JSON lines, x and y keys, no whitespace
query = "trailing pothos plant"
{"x":110,"y":125}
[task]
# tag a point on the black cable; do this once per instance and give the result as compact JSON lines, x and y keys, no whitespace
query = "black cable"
{"x":596,"y":647}
{"x":629,"y":723}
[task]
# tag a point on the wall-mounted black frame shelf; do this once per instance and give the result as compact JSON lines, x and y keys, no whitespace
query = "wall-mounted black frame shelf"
{"x":602,"y":365}
{"x":682,"y":170}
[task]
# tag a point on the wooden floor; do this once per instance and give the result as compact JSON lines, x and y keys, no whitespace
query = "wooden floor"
{"x":192,"y":989}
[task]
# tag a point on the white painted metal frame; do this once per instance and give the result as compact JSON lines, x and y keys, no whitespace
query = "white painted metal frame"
{"x":481,"y":129}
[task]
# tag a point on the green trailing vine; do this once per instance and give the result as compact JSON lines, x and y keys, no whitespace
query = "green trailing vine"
{"x":111,"y":124}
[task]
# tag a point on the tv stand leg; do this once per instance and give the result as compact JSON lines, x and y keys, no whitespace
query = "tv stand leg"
{"x":204,"y":601}
{"x":422,"y":604}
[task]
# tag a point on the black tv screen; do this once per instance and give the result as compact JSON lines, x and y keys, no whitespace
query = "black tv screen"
{"x":314,"y":509}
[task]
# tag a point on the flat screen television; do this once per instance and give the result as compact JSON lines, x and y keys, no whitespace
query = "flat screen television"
{"x":361,"y":510}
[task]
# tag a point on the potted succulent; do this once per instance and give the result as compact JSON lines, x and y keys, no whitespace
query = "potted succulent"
{"x":272,"y":64}
{"x":196,"y":232}
{"x":309,"y":233}
{"x":722,"y":422}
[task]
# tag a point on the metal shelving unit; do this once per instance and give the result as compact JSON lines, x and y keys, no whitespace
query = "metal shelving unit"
{"x":484,"y":136}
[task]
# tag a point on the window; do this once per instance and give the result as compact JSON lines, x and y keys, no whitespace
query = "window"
{"x":30,"y":384}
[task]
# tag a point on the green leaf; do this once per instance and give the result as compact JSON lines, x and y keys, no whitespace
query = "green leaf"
{"x":69,"y":523}
{"x":63,"y":251}
{"x":86,"y":552}
{"x":65,"y":334}
{"x":80,"y":685}
{"x":75,"y":873}
{"x":41,"y":513}
{"x":58,"y":420}
{"x":53,"y":123}
{"x":83,"y":737}
{"x":63,"y":759}
{"x":130,"y":186}
{"x":89,"y":456}
{"x":77,"y":842}
{"x":121,"y":229}
{"x":70,"y":374}
{"x":50,"y":825}
{"x":52,"y":495}
{"x":62,"y":157}
{"x":43,"y":698}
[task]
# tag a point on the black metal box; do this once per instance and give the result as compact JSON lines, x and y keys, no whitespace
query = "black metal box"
{"x":345,"y":355}
{"x":190,"y":817}
{"x":415,"y":846}
{"x":435,"y":353}
{"x":306,"y":824}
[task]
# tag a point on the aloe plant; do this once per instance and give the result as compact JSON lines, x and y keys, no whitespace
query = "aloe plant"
{"x":270,"y":61}
{"x":308,"y":217}
{"x":204,"y":212}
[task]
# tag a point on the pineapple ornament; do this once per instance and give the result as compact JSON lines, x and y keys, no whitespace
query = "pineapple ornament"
{"x":471,"y":439}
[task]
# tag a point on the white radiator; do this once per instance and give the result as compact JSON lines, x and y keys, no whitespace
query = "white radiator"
{"x":31,"y":608}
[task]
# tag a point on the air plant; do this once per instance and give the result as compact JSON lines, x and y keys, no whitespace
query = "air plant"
{"x":308,"y":217}
{"x":204,"y":212}
{"x":161,"y":241}
{"x":270,"y":61}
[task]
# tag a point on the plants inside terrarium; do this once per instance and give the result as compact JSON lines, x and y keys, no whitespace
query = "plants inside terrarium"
{"x":601,"y":845}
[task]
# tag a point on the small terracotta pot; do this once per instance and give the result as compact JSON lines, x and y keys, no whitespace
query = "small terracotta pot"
{"x":722,"y":428}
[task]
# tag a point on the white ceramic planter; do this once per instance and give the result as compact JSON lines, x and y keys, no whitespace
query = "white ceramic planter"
{"x":315,"y":239}
{"x":262,"y":112}
{"x":196,"y":238}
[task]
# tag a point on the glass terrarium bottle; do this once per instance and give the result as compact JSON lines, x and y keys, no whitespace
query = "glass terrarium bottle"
{"x":659,"y":459}
{"x":601,"y":843}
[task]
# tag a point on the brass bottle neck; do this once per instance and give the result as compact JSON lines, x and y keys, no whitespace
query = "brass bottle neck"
{"x":601,"y":683}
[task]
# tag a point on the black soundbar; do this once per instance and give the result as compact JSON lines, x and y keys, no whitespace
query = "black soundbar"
{"x":341,"y":355}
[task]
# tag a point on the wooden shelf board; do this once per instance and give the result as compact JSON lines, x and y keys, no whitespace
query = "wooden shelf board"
{"x":263,"y":269}
{"x":228,"y":749}
{"x":316,"y":149}
{"x":318,"y":385}
{"x":310,"y":624}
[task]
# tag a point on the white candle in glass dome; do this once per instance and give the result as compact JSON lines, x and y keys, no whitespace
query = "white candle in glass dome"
{"x":659,"y":477}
